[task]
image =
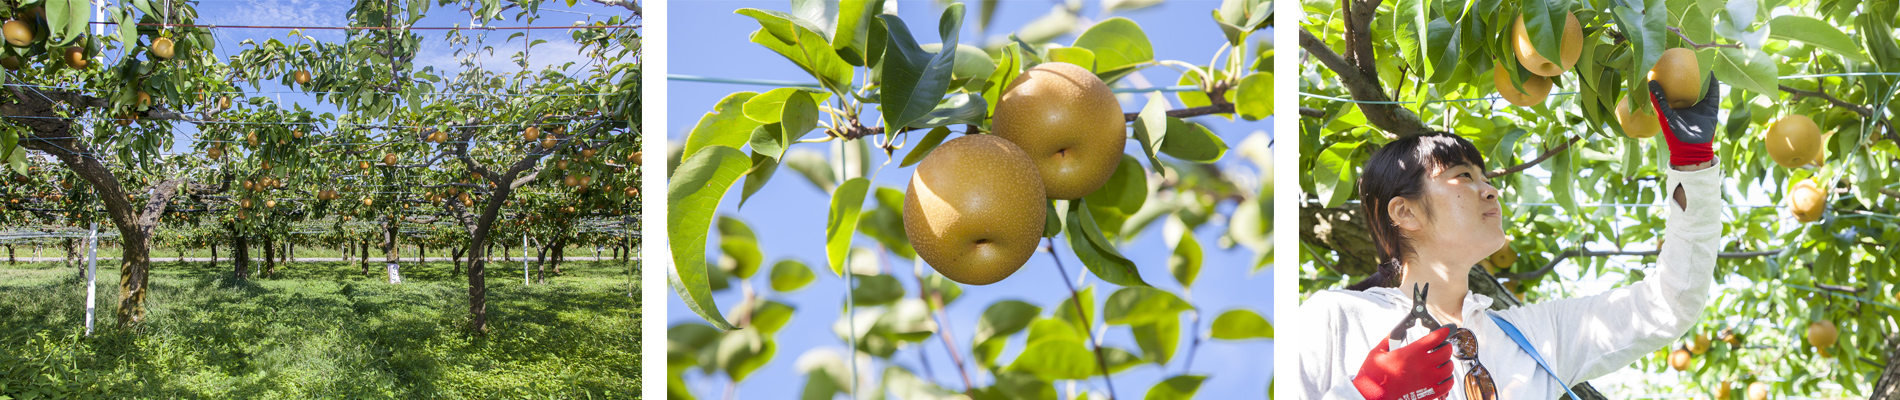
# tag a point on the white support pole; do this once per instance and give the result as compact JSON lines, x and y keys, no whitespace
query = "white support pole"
{"x":524,"y":259}
{"x":92,"y":274}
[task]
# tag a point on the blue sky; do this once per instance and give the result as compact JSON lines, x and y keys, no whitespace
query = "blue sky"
{"x":435,"y":51}
{"x":708,"y":39}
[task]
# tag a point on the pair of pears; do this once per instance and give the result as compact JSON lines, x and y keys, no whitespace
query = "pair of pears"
{"x":976,"y":206}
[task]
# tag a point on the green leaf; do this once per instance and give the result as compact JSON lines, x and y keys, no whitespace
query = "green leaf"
{"x":737,"y":242}
{"x":1253,"y":98}
{"x":1751,"y":70}
{"x":804,"y":46}
{"x":1080,"y":318}
{"x":1185,"y":262}
{"x":1158,"y":339}
{"x":905,"y":385}
{"x":1645,"y":31}
{"x":692,"y":195}
{"x":790,"y":275}
{"x":915,"y":80}
{"x":1141,"y":305}
{"x":854,"y":20}
{"x":972,"y":64}
{"x":814,"y":167}
{"x":1119,"y":45}
{"x":1181,"y":387}
{"x":843,"y":221}
{"x":769,"y":107}
{"x":1441,"y":41}
{"x":744,"y":351}
{"x":770,"y":316}
{"x":960,"y":108}
{"x":725,"y":126}
{"x":942,"y":287}
{"x":1333,"y":173}
{"x":886,"y":222}
{"x":1056,"y":360}
{"x":763,"y":167}
{"x":1544,"y":24}
{"x":1238,"y":324}
{"x":1007,"y":69}
{"x":1081,"y":57}
{"x":1192,"y":142}
{"x":1118,"y":359}
{"x":874,"y":290}
{"x":1125,"y":190}
{"x":1095,"y":251}
{"x":1051,"y":220}
{"x":1004,"y":318}
{"x":923,"y":148}
{"x":1151,"y":128}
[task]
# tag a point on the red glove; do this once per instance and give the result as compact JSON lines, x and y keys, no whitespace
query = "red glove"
{"x":1689,"y":131}
{"x":1419,"y":371}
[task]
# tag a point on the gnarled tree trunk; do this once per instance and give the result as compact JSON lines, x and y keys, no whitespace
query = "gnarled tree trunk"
{"x":1888,"y":387}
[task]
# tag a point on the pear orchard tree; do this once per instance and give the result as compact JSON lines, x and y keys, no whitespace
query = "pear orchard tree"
{"x":410,"y":145}
{"x":882,"y":91}
{"x":1805,"y":300}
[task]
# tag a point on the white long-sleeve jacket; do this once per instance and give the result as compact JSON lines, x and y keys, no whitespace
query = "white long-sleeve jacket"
{"x":1582,"y":338}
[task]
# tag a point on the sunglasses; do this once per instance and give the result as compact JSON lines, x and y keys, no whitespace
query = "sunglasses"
{"x":1478,"y":384}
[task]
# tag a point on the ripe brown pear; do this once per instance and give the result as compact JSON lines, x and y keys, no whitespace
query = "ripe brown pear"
{"x":301,"y":76}
{"x":18,"y":33}
{"x":974,"y":209}
{"x":1536,"y":88}
{"x":1570,"y":48}
{"x":11,"y":63}
{"x":1807,"y":201}
{"x":1679,"y":359}
{"x":532,"y":133}
{"x":1758,"y":391}
{"x":76,"y":57}
{"x":635,"y":158}
{"x":1068,"y":122}
{"x":1636,"y":125}
{"x":1822,"y":333}
{"x":389,"y":159}
{"x":1793,"y":140}
{"x":1721,"y":392}
{"x":145,"y":99}
{"x":162,"y":48}
{"x":1680,"y":75}
{"x":1701,"y":344}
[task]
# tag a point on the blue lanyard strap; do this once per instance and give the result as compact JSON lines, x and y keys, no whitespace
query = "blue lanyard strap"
{"x":1518,"y":337}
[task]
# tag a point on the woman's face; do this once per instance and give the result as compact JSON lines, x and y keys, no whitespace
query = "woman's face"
{"x":1464,"y":219}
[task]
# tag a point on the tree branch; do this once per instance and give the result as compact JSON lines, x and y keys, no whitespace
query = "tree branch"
{"x":1312,"y":112}
{"x":1366,"y":88}
{"x":1528,"y":164}
{"x":1584,"y":252}
{"x":1699,"y":46}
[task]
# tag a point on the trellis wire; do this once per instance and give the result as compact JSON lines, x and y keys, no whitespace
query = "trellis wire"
{"x":1345,"y":100}
{"x":438,"y":94}
{"x":767,"y":82}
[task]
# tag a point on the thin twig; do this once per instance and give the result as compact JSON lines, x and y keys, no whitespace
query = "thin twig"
{"x":1528,"y":164}
{"x":1692,"y":43}
{"x":1584,"y":252}
{"x":1100,"y":359}
{"x":1312,"y":112}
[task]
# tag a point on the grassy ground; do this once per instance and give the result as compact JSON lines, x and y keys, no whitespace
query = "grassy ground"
{"x":321,"y":330}
{"x":224,"y":252}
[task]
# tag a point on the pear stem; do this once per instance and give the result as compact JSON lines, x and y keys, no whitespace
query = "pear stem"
{"x":1076,"y":298}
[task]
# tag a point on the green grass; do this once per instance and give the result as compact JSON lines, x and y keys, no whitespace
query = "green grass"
{"x":321,"y":330}
{"x":224,"y":252}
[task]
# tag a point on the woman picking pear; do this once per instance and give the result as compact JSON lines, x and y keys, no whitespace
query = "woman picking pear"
{"x":1434,"y":214}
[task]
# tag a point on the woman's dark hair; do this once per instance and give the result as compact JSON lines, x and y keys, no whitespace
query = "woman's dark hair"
{"x":1399,"y":170}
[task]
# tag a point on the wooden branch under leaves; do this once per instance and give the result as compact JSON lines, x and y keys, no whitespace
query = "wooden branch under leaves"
{"x":1864,"y":111}
{"x":1363,"y":86}
{"x":1584,"y":252}
{"x":856,"y":131}
{"x":1698,"y":46}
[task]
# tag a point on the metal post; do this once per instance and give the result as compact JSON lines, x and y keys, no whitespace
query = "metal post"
{"x":524,"y":259}
{"x":92,"y":274}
